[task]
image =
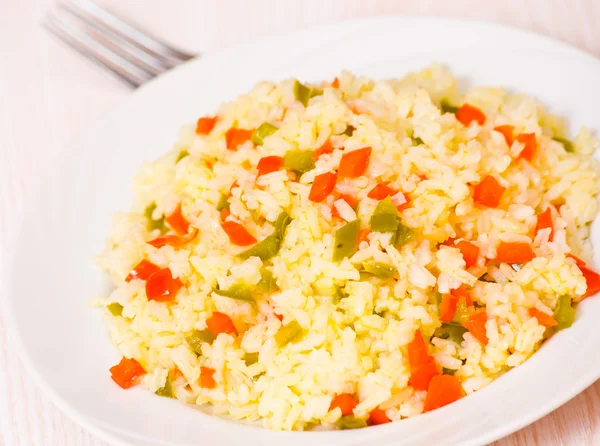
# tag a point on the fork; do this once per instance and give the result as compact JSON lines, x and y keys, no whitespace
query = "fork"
{"x":134,"y":56}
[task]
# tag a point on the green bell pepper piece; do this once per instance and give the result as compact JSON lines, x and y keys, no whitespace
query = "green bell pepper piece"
{"x":263,"y":130}
{"x":154,"y":224}
{"x":223,"y":203}
{"x":182,"y":155}
{"x":568,"y":145}
{"x":403,"y":235}
{"x":345,"y":240}
{"x":288,"y":333}
{"x":564,"y":313}
{"x":446,"y":107}
{"x":303,"y":93}
{"x":380,"y":269}
{"x":197,"y":338}
{"x":462,"y":312}
{"x":451,"y":331}
{"x":116,"y":309}
{"x":250,"y":358}
{"x":271,"y":244}
{"x":167,"y":389}
{"x":267,"y":282}
{"x":350,"y":422}
{"x":299,"y":160}
{"x":385,"y":217}
{"x":238,"y":291}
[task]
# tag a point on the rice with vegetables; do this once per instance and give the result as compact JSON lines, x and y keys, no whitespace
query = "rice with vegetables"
{"x":351,"y":253}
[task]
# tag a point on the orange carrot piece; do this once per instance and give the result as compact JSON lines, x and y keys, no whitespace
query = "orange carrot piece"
{"x":352,"y":202}
{"x":580,"y":263}
{"x":233,"y":186}
{"x":378,"y":416}
{"x":354,"y":164}
{"x":178,"y":222}
{"x":205,"y":125}
{"x":530,"y":142}
{"x":238,"y":235}
{"x":127,"y":373}
{"x":421,"y":378}
{"x":322,"y":186}
{"x":224,"y":214}
{"x":325,"y":148}
{"x":470,"y":252}
{"x":220,"y":323}
{"x":489,"y":192}
{"x":142,"y":271}
{"x":448,"y":307}
{"x":176,"y":373}
{"x":363,"y":236}
{"x":335,"y":83}
{"x":514,"y":252}
{"x":345,"y":402}
{"x":544,"y":319}
{"x":462,"y":292}
{"x":418,"y":353}
{"x":544,"y":220}
{"x":592,"y":279}
{"x":207,"y":379}
{"x":381,"y":191}
{"x":174,"y":240}
{"x":507,"y":132}
{"x":268,"y":164}
{"x":468,"y":113}
{"x":442,"y":390}
{"x":476,"y":326}
{"x":235,"y":137}
{"x":162,"y":287}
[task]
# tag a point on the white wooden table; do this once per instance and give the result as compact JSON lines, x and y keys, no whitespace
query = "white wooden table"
{"x":48,"y":95}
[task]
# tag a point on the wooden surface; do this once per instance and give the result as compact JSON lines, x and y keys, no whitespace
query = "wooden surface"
{"x":48,"y":95}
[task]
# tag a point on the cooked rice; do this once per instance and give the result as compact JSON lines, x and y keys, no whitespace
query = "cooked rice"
{"x":356,"y":344}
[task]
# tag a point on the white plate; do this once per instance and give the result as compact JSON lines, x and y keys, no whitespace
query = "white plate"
{"x":51,"y":277}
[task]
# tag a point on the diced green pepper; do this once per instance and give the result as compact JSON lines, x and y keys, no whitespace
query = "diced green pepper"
{"x":199,"y":337}
{"x":263,"y":130}
{"x":303,"y":93}
{"x":338,"y":295}
{"x":288,"y":333}
{"x":270,"y":245}
{"x":403,"y":235}
{"x":267,"y":282}
{"x":446,"y":107}
{"x":345,"y":240}
{"x":438,"y":301}
{"x":487,"y":278}
{"x":167,"y":389}
{"x":223,"y":203}
{"x":350,"y":422}
{"x":182,"y":155}
{"x":154,"y":224}
{"x":299,"y":160}
{"x":379,"y":269}
{"x":238,"y":291}
{"x":450,"y":331}
{"x":462,"y":312}
{"x":418,"y":141}
{"x":446,"y":371}
{"x":385,"y":217}
{"x":250,"y":358}
{"x":255,"y":214}
{"x":116,"y":309}
{"x":564,"y":313}
{"x":568,"y":145}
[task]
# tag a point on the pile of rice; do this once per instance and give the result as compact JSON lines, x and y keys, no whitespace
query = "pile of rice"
{"x":356,"y":327}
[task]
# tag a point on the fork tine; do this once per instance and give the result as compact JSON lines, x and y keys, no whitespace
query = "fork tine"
{"x":104,"y":20}
{"x":94,"y":50}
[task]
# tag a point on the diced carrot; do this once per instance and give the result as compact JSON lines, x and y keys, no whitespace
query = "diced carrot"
{"x":174,"y":240}
{"x":468,"y":113}
{"x":322,"y":186}
{"x":463,"y":292}
{"x":233,"y":186}
{"x":238,"y":235}
{"x":530,"y":142}
{"x":421,"y":378}
{"x":279,"y":316}
{"x":592,"y":279}
{"x":514,"y":252}
{"x":448,"y":307}
{"x":507,"y":132}
{"x":352,"y":202}
{"x":178,"y":222}
{"x":363,"y":236}
{"x":325,"y":148}
{"x":206,"y":378}
{"x":442,"y":390}
{"x":224,"y":214}
{"x":489,"y":192}
{"x":127,"y":373}
{"x":544,"y":319}
{"x":176,"y":373}
{"x":345,"y":402}
{"x":417,"y":352}
{"x":162,"y":287}
{"x":268,"y":164}
{"x":354,"y":164}
{"x":205,"y":125}
{"x":580,"y":263}
{"x":378,"y":416}
{"x":220,"y":323}
{"x":235,"y":137}
{"x":544,"y":220}
{"x":335,"y":83}
{"x":142,"y":271}
{"x":404,"y":205}
{"x":476,"y":326}
{"x":381,"y":191}
{"x":470,"y":252}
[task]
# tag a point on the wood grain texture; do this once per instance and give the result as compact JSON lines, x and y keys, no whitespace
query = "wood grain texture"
{"x":48,"y":95}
